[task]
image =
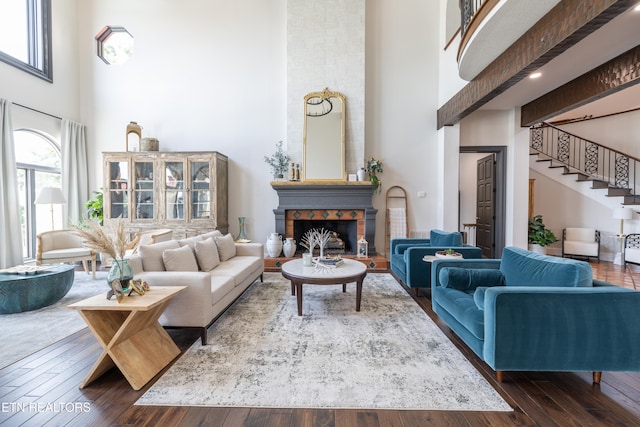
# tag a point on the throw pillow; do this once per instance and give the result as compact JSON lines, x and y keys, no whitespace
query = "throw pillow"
{"x":445,"y":238}
{"x":180,"y":259}
{"x":464,"y":279}
{"x":207,"y":254}
{"x":226,"y":247}
{"x":213,"y":233}
{"x":478,"y":297}
{"x":190,"y":241}
{"x":152,"y":254}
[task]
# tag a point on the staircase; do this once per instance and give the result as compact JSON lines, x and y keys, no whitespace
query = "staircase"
{"x":606,"y":168}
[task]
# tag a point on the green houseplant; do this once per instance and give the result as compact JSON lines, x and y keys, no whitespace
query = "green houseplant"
{"x":95,"y":207}
{"x":279,"y":162}
{"x":373,"y":167}
{"x":539,"y":234}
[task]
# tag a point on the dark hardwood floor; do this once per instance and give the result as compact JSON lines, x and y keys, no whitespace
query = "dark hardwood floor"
{"x":42,"y":390}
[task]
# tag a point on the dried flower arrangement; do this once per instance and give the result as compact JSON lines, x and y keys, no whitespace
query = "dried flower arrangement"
{"x":110,"y":240}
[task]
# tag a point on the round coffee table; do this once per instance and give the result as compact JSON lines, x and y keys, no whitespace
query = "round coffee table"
{"x":349,"y":271}
{"x":26,"y":292}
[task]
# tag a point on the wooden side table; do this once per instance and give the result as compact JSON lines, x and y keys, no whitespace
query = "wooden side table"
{"x":130,"y":334}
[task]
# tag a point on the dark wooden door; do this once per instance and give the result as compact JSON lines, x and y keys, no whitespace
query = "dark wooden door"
{"x":485,"y":208}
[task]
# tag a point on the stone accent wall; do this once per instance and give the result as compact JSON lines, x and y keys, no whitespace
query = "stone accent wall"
{"x":326,"y":48}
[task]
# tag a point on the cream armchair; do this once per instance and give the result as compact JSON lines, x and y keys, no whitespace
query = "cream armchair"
{"x":61,"y":246}
{"x":631,"y":249}
{"x":581,"y":242}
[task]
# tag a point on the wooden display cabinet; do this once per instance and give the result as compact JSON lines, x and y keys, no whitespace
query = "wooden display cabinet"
{"x":185,"y":191}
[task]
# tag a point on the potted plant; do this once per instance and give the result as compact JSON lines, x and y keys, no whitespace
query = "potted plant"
{"x":95,"y":207}
{"x":373,"y":167}
{"x":279,"y":162}
{"x":539,"y":236}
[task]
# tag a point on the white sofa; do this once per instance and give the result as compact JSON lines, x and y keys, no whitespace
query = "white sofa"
{"x":216,"y":270}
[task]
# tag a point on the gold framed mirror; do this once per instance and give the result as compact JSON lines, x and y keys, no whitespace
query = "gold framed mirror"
{"x":323,"y":147}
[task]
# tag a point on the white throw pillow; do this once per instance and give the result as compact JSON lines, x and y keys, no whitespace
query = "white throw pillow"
{"x":213,"y":233}
{"x":207,"y":254}
{"x":152,"y":254}
{"x":181,"y":259}
{"x":226,"y":247}
{"x":190,"y":241}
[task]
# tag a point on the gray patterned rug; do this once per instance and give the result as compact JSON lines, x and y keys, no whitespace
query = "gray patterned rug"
{"x":390,"y":355}
{"x":34,"y":330}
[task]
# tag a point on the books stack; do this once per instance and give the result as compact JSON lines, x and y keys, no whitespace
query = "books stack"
{"x":332,"y":261}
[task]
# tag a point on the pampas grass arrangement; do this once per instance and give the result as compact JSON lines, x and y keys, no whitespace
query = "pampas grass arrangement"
{"x":109,"y":239}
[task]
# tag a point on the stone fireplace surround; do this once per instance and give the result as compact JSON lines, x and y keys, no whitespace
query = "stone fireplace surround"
{"x":348,"y":201}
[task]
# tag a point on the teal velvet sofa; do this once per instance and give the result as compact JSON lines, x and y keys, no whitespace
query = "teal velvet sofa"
{"x":407,"y":256}
{"x":532,"y":312}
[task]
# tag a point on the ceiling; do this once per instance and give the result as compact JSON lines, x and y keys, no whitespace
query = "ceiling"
{"x":611,"y":40}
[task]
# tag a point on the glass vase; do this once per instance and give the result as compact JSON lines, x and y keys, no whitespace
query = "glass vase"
{"x":242,"y":237}
{"x":120,"y":270}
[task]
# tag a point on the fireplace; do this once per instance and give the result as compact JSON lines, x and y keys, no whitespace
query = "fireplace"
{"x":345,"y":208}
{"x":348,"y":227}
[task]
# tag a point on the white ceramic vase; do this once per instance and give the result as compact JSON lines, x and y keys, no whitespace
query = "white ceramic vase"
{"x":360,"y":174}
{"x":534,"y":247}
{"x":289,"y":247}
{"x":274,"y":245}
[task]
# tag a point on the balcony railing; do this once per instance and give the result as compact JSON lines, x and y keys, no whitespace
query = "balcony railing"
{"x":595,"y":161}
{"x":468,"y":9}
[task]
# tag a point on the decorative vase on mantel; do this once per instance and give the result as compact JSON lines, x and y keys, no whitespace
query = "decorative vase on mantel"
{"x":120,"y":270}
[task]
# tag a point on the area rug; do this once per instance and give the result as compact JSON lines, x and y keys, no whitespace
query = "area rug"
{"x":390,"y":355}
{"x":31,"y":331}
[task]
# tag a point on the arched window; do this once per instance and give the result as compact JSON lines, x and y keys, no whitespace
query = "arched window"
{"x":38,"y":160}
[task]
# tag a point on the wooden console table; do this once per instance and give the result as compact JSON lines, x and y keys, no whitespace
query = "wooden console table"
{"x":130,"y":334}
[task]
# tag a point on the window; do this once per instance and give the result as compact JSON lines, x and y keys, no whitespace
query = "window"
{"x":25,"y":36}
{"x":38,"y":161}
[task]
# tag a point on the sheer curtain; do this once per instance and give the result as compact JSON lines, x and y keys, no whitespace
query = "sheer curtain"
{"x":11,"y":240}
{"x":75,"y":177}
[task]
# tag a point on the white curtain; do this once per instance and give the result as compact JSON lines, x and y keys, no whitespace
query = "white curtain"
{"x":10,"y":235}
{"x":75,"y":177}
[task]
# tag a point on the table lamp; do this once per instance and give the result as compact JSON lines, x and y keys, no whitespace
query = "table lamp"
{"x":51,"y":196}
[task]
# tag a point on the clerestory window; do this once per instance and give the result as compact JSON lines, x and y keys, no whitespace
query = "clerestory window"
{"x":25,"y":36}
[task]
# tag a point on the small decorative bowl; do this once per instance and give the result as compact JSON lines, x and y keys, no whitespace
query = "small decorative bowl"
{"x":444,"y":255}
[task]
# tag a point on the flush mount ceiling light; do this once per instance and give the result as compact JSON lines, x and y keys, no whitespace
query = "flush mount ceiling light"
{"x":535,"y":75}
{"x":115,"y":45}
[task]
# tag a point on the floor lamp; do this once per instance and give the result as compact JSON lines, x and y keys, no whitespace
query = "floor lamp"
{"x":51,"y":196}
{"x":621,"y":213}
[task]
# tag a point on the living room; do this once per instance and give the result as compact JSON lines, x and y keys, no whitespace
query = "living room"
{"x":231,"y":77}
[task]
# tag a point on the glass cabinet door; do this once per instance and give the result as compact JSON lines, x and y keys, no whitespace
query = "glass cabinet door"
{"x":143,"y":194}
{"x":200,"y":190}
{"x":174,"y":188}
{"x":118,"y":189}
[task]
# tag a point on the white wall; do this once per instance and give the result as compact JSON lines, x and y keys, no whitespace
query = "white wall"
{"x":401,"y":104}
{"x":211,"y":75}
{"x":326,"y":49}
{"x":59,"y":98}
{"x":205,"y":75}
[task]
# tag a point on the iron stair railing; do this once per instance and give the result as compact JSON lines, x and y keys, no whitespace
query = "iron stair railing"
{"x":468,"y":9}
{"x":606,"y":167}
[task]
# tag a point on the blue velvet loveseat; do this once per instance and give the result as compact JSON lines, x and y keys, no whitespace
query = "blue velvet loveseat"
{"x":532,"y":312}
{"x":407,"y":256}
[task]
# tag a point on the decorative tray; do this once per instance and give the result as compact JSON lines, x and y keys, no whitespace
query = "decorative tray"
{"x":444,"y":255}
